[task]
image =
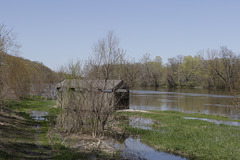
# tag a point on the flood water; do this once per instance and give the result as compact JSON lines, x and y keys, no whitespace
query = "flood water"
{"x":38,"y":115}
{"x":141,"y":123}
{"x":133,"y":149}
{"x":186,"y":100}
{"x":218,"y":122}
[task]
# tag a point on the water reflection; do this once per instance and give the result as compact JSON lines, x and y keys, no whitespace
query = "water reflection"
{"x":133,"y":149}
{"x":38,"y":115}
{"x":142,"y":123}
{"x":230,"y":123}
{"x":188,"y":101}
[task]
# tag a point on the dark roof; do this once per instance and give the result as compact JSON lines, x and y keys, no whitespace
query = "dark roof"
{"x":96,"y":84}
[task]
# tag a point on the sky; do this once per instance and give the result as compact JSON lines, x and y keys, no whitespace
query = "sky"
{"x":56,"y":31}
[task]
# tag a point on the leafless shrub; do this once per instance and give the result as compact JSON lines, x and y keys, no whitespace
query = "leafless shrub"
{"x":8,"y":43}
{"x":89,"y":102}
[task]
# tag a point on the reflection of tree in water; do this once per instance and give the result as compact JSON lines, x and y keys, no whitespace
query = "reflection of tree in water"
{"x":132,"y":149}
{"x":189,"y":101}
{"x":142,"y":123}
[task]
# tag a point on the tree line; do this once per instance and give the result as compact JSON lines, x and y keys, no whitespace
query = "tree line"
{"x":211,"y":69}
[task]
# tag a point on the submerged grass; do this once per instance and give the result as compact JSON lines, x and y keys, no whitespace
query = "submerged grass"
{"x":194,"y":139}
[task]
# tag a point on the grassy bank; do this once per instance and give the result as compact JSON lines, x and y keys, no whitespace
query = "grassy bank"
{"x":22,"y":137}
{"x":194,"y":139}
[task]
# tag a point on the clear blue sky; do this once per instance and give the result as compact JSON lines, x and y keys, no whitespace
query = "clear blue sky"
{"x":55,"y":31}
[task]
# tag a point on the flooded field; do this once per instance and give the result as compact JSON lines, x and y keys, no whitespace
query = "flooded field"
{"x":188,"y":101}
{"x":132,"y":148}
{"x":230,"y":123}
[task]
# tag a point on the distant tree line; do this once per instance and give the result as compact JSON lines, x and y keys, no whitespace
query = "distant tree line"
{"x":211,"y":69}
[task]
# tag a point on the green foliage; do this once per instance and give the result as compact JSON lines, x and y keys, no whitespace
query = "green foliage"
{"x":30,"y":104}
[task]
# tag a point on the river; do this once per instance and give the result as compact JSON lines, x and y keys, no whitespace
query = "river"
{"x":184,"y":100}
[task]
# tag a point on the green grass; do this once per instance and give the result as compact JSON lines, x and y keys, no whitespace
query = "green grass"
{"x":24,"y":105}
{"x":22,"y":139}
{"x":194,"y":139}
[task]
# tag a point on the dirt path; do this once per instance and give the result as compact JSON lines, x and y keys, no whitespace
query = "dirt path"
{"x":19,"y":137}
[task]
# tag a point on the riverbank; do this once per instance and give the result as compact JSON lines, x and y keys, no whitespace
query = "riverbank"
{"x":27,"y":132}
{"x":192,"y":137}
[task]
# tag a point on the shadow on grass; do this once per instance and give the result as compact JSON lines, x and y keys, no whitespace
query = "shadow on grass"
{"x":19,"y":136}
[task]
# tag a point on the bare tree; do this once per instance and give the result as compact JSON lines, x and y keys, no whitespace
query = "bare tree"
{"x":173,"y":74}
{"x":230,"y":63}
{"x":8,"y":43}
{"x":151,"y":70}
{"x":106,"y":54}
{"x":16,"y":76}
{"x":91,"y":102}
{"x":131,"y":72}
{"x":222,"y":68}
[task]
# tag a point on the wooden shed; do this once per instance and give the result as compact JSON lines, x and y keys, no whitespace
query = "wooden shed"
{"x":88,"y":92}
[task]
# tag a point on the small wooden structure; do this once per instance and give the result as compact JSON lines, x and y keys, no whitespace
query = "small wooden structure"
{"x":113,"y":92}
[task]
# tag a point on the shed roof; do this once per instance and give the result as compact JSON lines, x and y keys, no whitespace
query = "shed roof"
{"x":97,"y":84}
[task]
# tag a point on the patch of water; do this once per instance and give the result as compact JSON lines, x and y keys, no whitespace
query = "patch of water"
{"x":219,"y":105}
{"x":187,"y":101}
{"x":133,"y":149}
{"x":230,"y":123}
{"x":166,"y":100}
{"x":142,"y":123}
{"x":144,"y":92}
{"x":38,"y":115}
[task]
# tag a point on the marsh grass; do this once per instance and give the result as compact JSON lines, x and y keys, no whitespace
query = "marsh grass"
{"x":194,"y":139}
